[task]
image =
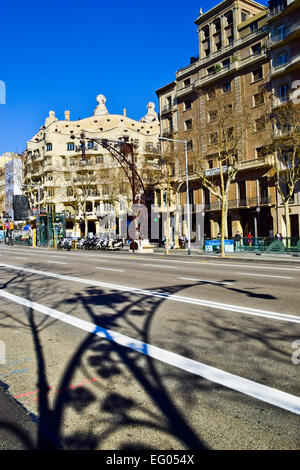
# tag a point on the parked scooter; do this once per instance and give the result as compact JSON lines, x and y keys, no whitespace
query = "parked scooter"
{"x":64,"y":243}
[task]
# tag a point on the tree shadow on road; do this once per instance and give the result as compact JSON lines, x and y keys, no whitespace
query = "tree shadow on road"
{"x":125,"y":399}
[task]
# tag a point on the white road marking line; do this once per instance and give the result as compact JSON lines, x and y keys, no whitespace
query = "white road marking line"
{"x":19,"y":257}
{"x":255,"y":390}
{"x":99,"y":260}
{"x":266,"y":275}
{"x":56,"y":262}
{"x":159,"y":266}
{"x":164,"y":295}
{"x":111,"y":269}
{"x":206,"y":280}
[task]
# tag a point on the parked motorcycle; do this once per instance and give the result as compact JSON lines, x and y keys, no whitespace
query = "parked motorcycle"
{"x":64,"y":243}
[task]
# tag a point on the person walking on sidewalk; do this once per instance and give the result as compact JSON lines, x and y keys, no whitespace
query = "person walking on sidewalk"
{"x":237,"y":241}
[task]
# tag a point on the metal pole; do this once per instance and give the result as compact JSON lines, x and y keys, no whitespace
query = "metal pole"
{"x":187,"y":198}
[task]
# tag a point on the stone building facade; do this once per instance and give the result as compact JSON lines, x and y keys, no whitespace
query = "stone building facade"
{"x":233,"y":69}
{"x":53,"y":161}
{"x":284,"y":49}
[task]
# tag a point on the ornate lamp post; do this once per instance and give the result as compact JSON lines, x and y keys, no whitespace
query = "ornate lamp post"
{"x":123,"y":152}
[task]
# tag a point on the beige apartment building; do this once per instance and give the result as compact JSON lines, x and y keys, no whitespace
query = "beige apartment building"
{"x":284,"y":50}
{"x":87,"y":192}
{"x":232,"y":71}
{"x":4,"y":158}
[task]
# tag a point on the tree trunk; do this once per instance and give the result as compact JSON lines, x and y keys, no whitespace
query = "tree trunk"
{"x":287,"y":222}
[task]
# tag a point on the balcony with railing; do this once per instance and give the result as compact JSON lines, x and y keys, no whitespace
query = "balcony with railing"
{"x":240,"y":203}
{"x":167,"y":131}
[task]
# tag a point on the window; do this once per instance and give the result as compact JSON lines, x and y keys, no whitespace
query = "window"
{"x":70,"y":146}
{"x":257,"y":74}
{"x":260,"y":124}
{"x":253,"y":26}
{"x":258,"y":99}
{"x":261,"y":152}
{"x":256,"y":49}
{"x":91,"y":144}
{"x":230,"y":133}
{"x":73,"y":161}
{"x":212,"y":116}
{"x":229,"y":17}
{"x":213,"y":138}
{"x":211,"y":95}
{"x":282,"y":60}
{"x":69,"y":192}
{"x":263,"y":190}
{"x":226,"y":62}
{"x":50,"y":177}
{"x":280,"y":33}
{"x":49,"y":147}
{"x":187,"y":104}
{"x":283,"y":93}
{"x":187,"y":82}
{"x":188,"y":124}
{"x":244,"y":15}
{"x":105,"y":190}
{"x":190,"y":145}
{"x":217,"y":25}
{"x":206,"y":32}
{"x":169,"y":102}
{"x":230,"y":40}
{"x":210,"y":164}
{"x":100,"y":159}
{"x":50,"y":192}
{"x":210,"y":70}
{"x":227,"y":87}
{"x":242,"y":193}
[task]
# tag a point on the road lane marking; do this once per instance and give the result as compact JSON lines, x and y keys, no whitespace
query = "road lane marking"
{"x":159,"y":266}
{"x":20,"y":257}
{"x":266,"y":275}
{"x":207,"y":281}
{"x":56,"y":262}
{"x":99,"y":260}
{"x":163,"y":295}
{"x":248,"y":387}
{"x":111,"y":269}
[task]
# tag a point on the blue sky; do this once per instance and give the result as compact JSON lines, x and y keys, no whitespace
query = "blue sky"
{"x":59,"y":55}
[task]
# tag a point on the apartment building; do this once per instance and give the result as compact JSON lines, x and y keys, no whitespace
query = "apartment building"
{"x":4,"y":159}
{"x":284,"y":49}
{"x":232,"y":68}
{"x":86,"y":192}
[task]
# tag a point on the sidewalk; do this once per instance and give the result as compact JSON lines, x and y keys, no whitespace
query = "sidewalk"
{"x":195,"y":254}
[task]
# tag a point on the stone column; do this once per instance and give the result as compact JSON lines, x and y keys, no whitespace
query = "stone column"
{"x":236,"y":15}
{"x":200,"y":39}
{"x":223,"y":32}
{"x":211,"y":41}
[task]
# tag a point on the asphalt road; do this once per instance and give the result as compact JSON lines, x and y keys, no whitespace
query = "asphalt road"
{"x":120,"y":351}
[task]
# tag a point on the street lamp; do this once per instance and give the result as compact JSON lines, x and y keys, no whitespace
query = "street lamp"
{"x":123,"y":151}
{"x":38,"y":186}
{"x":187,"y":188}
{"x":257,"y":211}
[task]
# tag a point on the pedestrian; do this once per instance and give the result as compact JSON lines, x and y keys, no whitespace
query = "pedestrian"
{"x":237,"y":240}
{"x":250,"y":239}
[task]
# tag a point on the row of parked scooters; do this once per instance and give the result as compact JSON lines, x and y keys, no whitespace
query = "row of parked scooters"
{"x":93,"y":243}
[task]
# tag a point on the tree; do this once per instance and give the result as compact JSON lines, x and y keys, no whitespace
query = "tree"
{"x":221,"y":140}
{"x":284,"y":142}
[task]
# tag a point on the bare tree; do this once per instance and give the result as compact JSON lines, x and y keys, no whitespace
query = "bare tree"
{"x":283,"y":132}
{"x":221,"y":139}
